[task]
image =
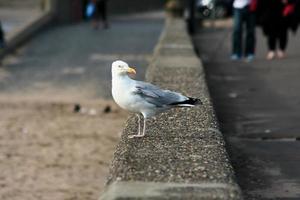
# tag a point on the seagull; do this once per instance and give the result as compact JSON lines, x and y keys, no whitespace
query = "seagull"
{"x":143,"y":98}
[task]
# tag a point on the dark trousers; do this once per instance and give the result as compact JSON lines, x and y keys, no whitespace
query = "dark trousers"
{"x":2,"y":41}
{"x":101,"y":11}
{"x":243,"y":17}
{"x":280,"y":36}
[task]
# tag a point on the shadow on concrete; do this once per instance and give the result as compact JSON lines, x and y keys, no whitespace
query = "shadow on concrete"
{"x":257,"y":104}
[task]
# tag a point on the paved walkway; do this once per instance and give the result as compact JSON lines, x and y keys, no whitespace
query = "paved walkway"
{"x":258,"y":108}
{"x":74,"y":61}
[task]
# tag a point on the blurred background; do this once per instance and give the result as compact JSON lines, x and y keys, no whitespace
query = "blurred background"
{"x":58,"y":122}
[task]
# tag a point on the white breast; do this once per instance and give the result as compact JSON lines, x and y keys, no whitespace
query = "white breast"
{"x":125,"y":98}
{"x":122,"y":92}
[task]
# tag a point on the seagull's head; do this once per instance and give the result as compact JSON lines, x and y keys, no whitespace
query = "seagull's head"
{"x":121,"y":68}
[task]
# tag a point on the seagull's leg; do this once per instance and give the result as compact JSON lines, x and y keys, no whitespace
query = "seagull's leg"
{"x":139,"y":130}
{"x":139,"y":133}
{"x":144,"y":128}
{"x":139,"y":121}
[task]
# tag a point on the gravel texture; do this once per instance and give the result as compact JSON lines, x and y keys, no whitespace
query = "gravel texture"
{"x":182,"y":146}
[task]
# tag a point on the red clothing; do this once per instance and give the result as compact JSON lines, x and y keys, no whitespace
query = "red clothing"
{"x":253,"y":5}
{"x":275,"y":15}
{"x":288,"y":10}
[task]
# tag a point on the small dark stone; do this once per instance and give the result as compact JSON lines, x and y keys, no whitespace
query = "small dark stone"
{"x":107,"y":109}
{"x":77,"y":108}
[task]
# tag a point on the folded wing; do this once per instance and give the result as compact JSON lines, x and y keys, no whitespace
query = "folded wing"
{"x":154,"y":95}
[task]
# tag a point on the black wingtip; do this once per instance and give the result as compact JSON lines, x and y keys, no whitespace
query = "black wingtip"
{"x":191,"y":101}
{"x":194,"y":101}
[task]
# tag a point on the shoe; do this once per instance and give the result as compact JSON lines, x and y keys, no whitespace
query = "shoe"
{"x":250,"y":57}
{"x":2,"y":45}
{"x":280,"y":54}
{"x":270,"y":55}
{"x":235,"y":57}
{"x":105,"y":25}
{"x":95,"y":27}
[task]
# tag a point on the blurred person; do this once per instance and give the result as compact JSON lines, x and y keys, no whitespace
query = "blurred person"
{"x":243,"y":14}
{"x":100,"y":12}
{"x":2,"y":38}
{"x":276,"y":17}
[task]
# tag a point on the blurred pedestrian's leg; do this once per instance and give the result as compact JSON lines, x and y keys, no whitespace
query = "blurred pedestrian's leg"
{"x":2,"y":38}
{"x":272,"y":37}
{"x":250,"y":35}
{"x":100,"y":14}
{"x":237,"y":34}
{"x":102,"y":9}
{"x":95,"y":16}
{"x":283,"y":39}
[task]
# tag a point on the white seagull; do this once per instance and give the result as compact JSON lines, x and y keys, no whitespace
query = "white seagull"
{"x":141,"y":97}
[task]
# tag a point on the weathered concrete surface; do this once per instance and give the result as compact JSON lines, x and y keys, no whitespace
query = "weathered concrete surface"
{"x":183,"y":151}
{"x":258,"y":108}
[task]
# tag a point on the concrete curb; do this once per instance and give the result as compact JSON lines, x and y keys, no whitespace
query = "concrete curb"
{"x":26,"y":32}
{"x":157,"y":190}
{"x":183,"y":155}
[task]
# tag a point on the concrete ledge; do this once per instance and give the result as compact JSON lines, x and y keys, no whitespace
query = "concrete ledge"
{"x":26,"y":32}
{"x":183,"y":154}
{"x":154,"y":190}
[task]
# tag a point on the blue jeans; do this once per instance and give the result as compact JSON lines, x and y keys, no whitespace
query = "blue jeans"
{"x":241,"y":17}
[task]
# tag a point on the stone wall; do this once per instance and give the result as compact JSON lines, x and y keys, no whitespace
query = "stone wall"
{"x":20,"y":3}
{"x":183,"y":155}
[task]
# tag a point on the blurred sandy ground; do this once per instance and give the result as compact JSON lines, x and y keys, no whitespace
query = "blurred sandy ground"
{"x":50,"y":152}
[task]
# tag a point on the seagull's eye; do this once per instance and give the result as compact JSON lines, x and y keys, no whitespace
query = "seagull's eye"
{"x":120,"y":66}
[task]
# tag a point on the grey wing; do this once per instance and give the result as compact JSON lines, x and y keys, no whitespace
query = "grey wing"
{"x":154,"y":95}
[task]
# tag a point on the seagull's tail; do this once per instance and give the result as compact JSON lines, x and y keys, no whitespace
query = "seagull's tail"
{"x":190,"y":102}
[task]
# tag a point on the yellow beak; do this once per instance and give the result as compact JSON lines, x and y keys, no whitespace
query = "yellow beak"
{"x":131,"y":70}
